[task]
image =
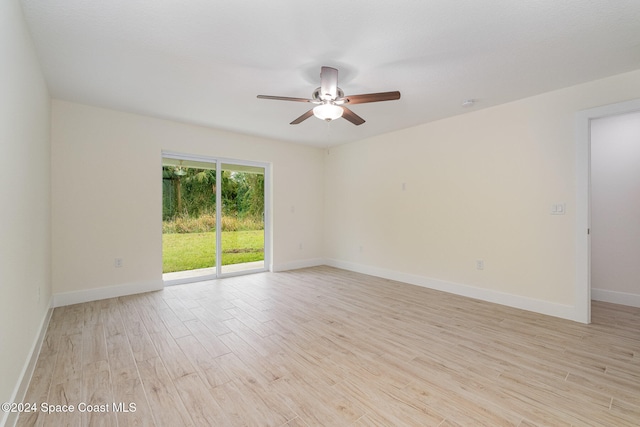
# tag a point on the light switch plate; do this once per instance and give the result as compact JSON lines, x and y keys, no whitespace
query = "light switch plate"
{"x":558,"y":209}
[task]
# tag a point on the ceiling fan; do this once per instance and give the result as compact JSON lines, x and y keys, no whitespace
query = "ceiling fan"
{"x":330,"y":100}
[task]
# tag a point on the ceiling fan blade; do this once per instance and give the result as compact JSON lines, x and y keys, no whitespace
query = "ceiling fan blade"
{"x":328,"y":83}
{"x":351,"y":116}
{"x":285,"y":98}
{"x":303,"y":117}
{"x":372,"y":97}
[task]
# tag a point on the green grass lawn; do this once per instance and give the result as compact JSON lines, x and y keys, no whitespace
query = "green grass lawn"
{"x":189,"y":251}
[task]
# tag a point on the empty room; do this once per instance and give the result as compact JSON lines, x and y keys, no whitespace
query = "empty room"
{"x":285,"y":213}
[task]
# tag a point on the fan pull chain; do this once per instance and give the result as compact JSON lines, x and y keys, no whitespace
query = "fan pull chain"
{"x":329,"y":137}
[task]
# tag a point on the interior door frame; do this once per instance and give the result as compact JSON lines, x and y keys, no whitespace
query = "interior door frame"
{"x":583,"y":200}
{"x":218,"y":161}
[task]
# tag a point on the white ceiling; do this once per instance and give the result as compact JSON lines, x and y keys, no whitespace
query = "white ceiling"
{"x":204,"y":61}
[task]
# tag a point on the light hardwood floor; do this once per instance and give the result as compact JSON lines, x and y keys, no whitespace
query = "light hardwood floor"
{"x":325,"y":347}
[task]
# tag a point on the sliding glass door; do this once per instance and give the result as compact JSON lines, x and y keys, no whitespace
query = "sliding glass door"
{"x":214,"y":217}
{"x":188,"y":219}
{"x":242,"y":218}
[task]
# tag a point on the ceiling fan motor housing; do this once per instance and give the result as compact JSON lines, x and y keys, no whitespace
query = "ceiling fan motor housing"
{"x":317,"y":95}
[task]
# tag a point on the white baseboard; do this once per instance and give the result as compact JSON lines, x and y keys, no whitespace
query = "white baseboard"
{"x":10,"y":418}
{"x":524,"y":303}
{"x":77,"y":297}
{"x":622,"y":298}
{"x":294,"y":265}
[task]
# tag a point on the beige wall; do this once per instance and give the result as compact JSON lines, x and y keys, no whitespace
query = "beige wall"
{"x":25,"y":287}
{"x":478,"y":186}
{"x":107,"y":190}
{"x":615,"y":207}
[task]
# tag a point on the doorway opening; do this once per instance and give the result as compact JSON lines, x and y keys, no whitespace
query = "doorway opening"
{"x":214,"y":218}
{"x":615,"y":209}
{"x":583,"y":201}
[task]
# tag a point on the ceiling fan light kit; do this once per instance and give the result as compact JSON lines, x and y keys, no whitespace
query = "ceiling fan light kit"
{"x":328,"y":111}
{"x":330,"y":100}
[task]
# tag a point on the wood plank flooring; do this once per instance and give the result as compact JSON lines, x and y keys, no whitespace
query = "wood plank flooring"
{"x":326,"y":347}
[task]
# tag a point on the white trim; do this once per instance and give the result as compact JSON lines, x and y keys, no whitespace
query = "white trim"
{"x":583,"y":119}
{"x":191,"y":279}
{"x":20,"y":391}
{"x":209,"y":159}
{"x":77,"y":297}
{"x":243,"y":272}
{"x":529,"y":304}
{"x":184,"y":156}
{"x":623,"y":298}
{"x":209,"y":277}
{"x":582,"y":285}
{"x":268,"y":225}
{"x":218,"y":219}
{"x":295,"y":265}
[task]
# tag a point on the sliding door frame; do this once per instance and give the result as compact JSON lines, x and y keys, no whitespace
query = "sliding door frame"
{"x":218,"y":162}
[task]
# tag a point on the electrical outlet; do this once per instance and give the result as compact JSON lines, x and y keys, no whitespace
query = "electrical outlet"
{"x":479,"y":264}
{"x":300,"y":247}
{"x":117,"y":263}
